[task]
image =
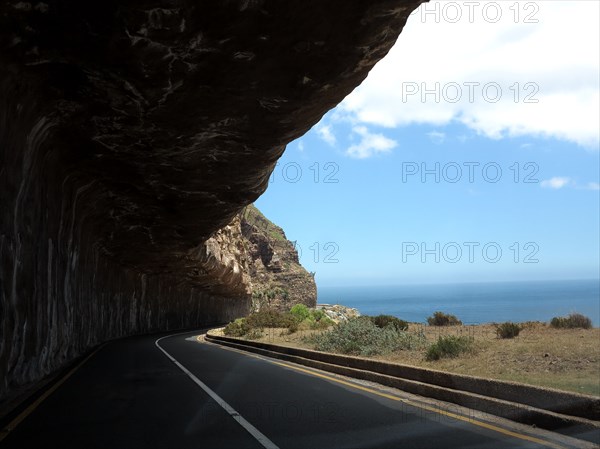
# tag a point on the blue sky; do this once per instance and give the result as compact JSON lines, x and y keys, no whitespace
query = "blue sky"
{"x":457,"y":160}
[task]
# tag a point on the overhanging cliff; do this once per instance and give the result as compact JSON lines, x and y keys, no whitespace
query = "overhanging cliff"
{"x":130,"y":132}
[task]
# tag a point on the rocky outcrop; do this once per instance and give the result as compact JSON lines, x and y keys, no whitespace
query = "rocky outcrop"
{"x":278,"y":280}
{"x":130,"y":132}
{"x":253,"y":256}
{"x":224,"y":259}
{"x":338,"y":313}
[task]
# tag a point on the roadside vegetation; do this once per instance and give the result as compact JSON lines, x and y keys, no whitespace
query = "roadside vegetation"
{"x":573,"y":321}
{"x":368,"y":336}
{"x":563,"y":353}
{"x":508,"y":330}
{"x":443,"y":319}
{"x":299,"y":317}
{"x":270,"y":293}
{"x":449,"y":346}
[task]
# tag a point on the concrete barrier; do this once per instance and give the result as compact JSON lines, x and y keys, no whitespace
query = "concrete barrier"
{"x":546,"y":408}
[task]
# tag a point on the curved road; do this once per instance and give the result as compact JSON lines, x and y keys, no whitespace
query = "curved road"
{"x":176,"y":391}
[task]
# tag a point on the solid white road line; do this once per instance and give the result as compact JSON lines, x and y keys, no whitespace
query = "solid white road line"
{"x":261,"y":438}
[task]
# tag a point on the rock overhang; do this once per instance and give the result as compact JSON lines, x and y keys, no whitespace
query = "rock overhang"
{"x":172,"y":114}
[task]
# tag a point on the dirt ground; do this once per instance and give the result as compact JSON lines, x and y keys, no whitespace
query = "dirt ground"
{"x":566,"y":359}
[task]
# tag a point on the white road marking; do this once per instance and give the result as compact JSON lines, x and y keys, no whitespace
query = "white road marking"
{"x":260,"y":437}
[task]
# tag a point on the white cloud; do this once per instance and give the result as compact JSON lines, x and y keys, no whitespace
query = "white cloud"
{"x":556,"y":182}
{"x":301,"y":146}
{"x":593,"y":186}
{"x":370,"y":144}
{"x":554,"y":61}
{"x":326,"y":134}
{"x":437,"y":137}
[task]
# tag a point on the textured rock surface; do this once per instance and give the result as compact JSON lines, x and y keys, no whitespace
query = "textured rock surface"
{"x":252,"y":257}
{"x":338,"y":313}
{"x":130,"y":132}
{"x":278,"y":281}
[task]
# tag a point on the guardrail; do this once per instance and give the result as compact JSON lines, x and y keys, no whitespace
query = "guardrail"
{"x":546,"y":408}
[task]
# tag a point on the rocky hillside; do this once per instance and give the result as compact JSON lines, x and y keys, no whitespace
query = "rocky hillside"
{"x":253,"y":257}
{"x":277,"y":278}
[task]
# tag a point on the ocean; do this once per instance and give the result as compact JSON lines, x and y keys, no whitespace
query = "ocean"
{"x":473,"y":303}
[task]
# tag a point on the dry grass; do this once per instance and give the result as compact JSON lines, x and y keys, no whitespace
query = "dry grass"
{"x":567,"y":359}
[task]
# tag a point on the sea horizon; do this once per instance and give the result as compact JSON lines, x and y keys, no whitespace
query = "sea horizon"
{"x":473,"y":302}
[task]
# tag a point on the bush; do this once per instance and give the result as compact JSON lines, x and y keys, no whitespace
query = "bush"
{"x":573,"y":321}
{"x":559,"y":322}
{"x":293,"y":327}
{"x":443,"y":319}
{"x":508,"y":330}
{"x":388,"y":320}
{"x":269,"y":318}
{"x":577,"y":320}
{"x":359,"y":336}
{"x":320,"y":324}
{"x":310,"y":318}
{"x":254,"y":334}
{"x":319,"y":315}
{"x":237,"y":328}
{"x":300,"y":312}
{"x":251,"y":326}
{"x":299,"y":317}
{"x":449,"y":347}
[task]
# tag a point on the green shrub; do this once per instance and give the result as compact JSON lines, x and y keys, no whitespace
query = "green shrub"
{"x":360,"y":336}
{"x":319,"y":315}
{"x":299,"y":317}
{"x":309,"y":318}
{"x":508,"y":330}
{"x":300,"y":312}
{"x":252,"y":325}
{"x":577,"y":320}
{"x":573,"y":321}
{"x":558,"y":322}
{"x":237,"y":328}
{"x":443,"y":319}
{"x":388,"y":320}
{"x":449,"y":346}
{"x":321,"y":324}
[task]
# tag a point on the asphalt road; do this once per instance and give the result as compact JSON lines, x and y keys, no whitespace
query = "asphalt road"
{"x":182,"y":393}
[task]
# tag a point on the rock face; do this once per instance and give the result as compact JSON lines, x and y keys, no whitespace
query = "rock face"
{"x":338,"y":313}
{"x":130,"y":133}
{"x":253,"y":257}
{"x":278,"y":280}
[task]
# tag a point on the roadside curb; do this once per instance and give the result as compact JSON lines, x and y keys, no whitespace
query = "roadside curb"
{"x":517,"y":402}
